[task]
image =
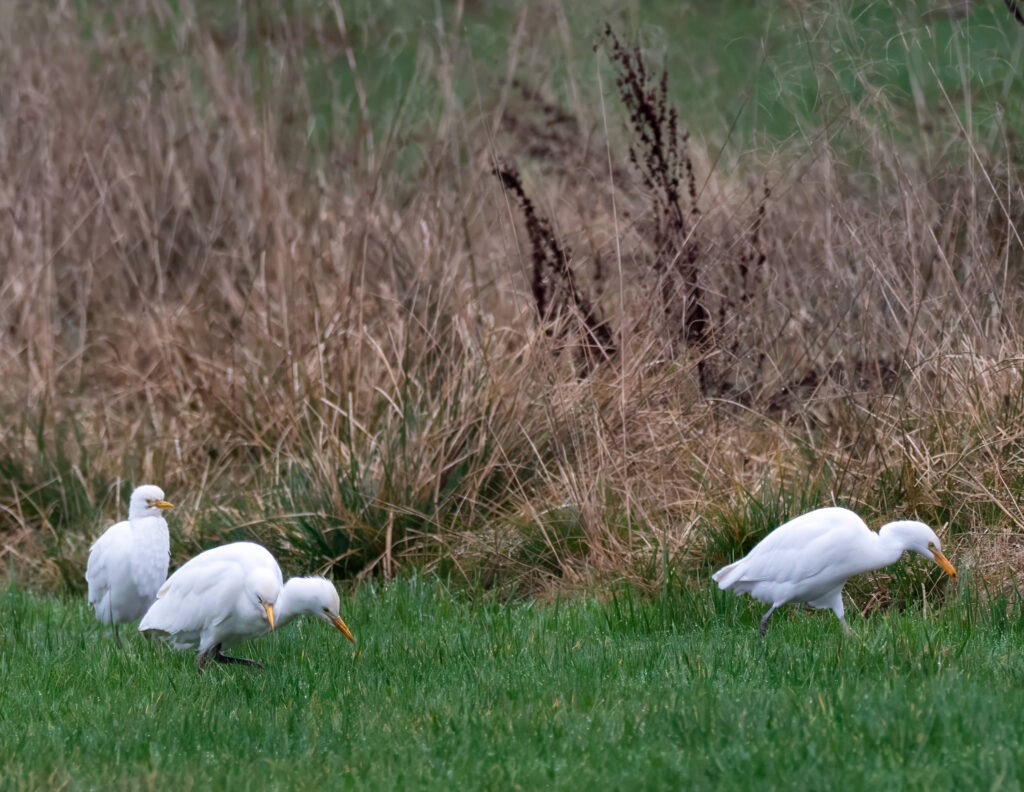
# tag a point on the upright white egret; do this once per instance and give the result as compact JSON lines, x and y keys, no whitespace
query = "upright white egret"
{"x":128,"y":563}
{"x":809,"y":559}
{"x":230,"y":594}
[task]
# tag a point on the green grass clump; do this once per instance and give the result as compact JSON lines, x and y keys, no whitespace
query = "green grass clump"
{"x":677,"y":692}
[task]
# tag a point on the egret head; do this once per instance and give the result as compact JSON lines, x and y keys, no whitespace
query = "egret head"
{"x":263,"y":589}
{"x":921,"y":539}
{"x":318,"y":597}
{"x":147,"y":501}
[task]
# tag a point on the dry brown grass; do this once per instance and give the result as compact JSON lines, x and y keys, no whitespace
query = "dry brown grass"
{"x":341,"y":357}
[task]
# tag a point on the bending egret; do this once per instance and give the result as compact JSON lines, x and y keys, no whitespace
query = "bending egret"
{"x":233,"y":593}
{"x":217,"y":599}
{"x":128,"y":563}
{"x":809,"y":559}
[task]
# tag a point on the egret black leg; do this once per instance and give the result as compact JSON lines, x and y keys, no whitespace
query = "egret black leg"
{"x":110,"y":613}
{"x":215,"y":654}
{"x":223,"y":658}
{"x":765,"y":618}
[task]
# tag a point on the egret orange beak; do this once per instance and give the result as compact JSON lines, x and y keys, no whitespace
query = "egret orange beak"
{"x":163,"y":505}
{"x":337,"y":622}
{"x":943,"y":562}
{"x":270,"y":613}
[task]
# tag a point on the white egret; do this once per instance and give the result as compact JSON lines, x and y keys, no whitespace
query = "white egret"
{"x":128,"y":563}
{"x":809,"y":559}
{"x":217,"y":599}
{"x":230,"y":594}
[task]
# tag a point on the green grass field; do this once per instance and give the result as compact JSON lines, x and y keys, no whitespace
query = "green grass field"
{"x":629,"y":693}
{"x":257,"y":254}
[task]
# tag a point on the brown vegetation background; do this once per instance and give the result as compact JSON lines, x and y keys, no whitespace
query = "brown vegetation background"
{"x":372,"y":360}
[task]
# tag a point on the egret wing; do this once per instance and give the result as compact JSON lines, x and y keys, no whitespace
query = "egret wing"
{"x":807,"y":528}
{"x":195,"y":596}
{"x":106,"y":560}
{"x":831,"y":553}
{"x":799,"y":550}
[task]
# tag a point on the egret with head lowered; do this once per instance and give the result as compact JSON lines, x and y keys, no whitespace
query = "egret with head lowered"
{"x":128,"y":563}
{"x":233,"y":593}
{"x":810,"y":558}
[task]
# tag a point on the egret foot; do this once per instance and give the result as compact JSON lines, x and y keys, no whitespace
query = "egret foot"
{"x":765,"y":618}
{"x":222,"y":658}
{"x":214,"y":653}
{"x":117,"y":638}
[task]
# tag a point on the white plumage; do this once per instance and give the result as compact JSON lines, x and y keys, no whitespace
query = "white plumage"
{"x":230,"y":594}
{"x":218,"y":598}
{"x":311,"y":596}
{"x":128,"y":563}
{"x":810,"y":558}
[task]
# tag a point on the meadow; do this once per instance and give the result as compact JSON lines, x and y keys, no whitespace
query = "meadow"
{"x":516,"y":322}
{"x":444,"y":689}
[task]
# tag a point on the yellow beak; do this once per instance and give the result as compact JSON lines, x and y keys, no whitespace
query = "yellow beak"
{"x":163,"y":505}
{"x":270,"y":613}
{"x":943,"y":562}
{"x":337,"y":622}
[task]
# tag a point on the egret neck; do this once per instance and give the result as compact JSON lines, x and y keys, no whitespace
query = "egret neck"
{"x":287,"y":608}
{"x":885,"y":548}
